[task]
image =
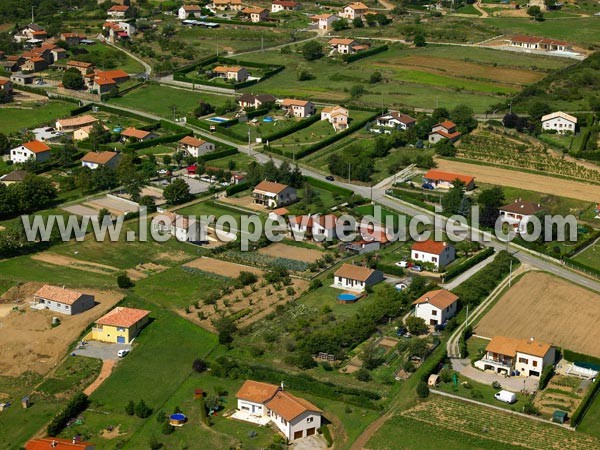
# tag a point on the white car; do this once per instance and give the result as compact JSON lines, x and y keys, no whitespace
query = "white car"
{"x":122,"y":353}
{"x":403,"y":264}
{"x":163,"y":172}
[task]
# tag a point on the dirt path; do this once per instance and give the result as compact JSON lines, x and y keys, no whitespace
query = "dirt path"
{"x":523,"y":180}
{"x":107,"y":367}
{"x":61,"y":260}
{"x":482,"y":11}
{"x":373,"y":427}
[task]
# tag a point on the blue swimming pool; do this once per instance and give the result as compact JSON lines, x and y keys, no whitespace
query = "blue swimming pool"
{"x":218,"y":119}
{"x":268,"y":119}
{"x":347,"y":297}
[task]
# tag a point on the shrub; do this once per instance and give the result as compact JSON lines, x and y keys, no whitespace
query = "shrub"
{"x":363,"y":375}
{"x":167,"y":428}
{"x":246,"y":278}
{"x":547,"y":374}
{"x":124,"y":282}
{"x":77,"y":405}
{"x":142,"y":410}
{"x":416,"y":325}
{"x":324,"y":430}
{"x":422,"y":390}
{"x":130,"y":408}
{"x":199,"y":365}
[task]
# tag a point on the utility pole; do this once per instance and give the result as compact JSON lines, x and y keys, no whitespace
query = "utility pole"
{"x":32,"y":17}
{"x":262,"y":44}
{"x":249,"y":145}
{"x":510,"y":275}
{"x":349,"y":167}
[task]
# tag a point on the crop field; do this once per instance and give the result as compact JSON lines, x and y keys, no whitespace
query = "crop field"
{"x":565,"y":314}
{"x":223,"y":268}
{"x":161,"y":100}
{"x":32,"y":115}
{"x":420,"y":76}
{"x":506,"y":177}
{"x":291,"y":252}
{"x":478,"y":427}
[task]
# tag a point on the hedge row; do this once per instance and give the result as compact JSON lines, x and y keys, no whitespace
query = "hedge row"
{"x":241,"y":22}
{"x":76,"y":406}
{"x":585,"y":403}
{"x":582,"y":244}
{"x":349,"y":58}
{"x":35,"y":90}
{"x":81,"y":109}
{"x":131,"y":88}
{"x":257,"y":112}
{"x":336,"y":137}
{"x":234,"y":189}
{"x":219,"y":154}
{"x":391,"y":269}
{"x":121,"y":112}
{"x":583,"y":267}
{"x":158,"y":140}
{"x":315,"y":182}
{"x":166,"y":125}
{"x":299,"y":126}
{"x":547,"y":373}
{"x":579,"y":357}
{"x":453,"y":272}
{"x":198,"y":123}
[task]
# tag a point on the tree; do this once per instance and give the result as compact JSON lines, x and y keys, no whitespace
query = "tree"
{"x":371,"y":20}
{"x":462,"y":116}
{"x":445,"y":147}
{"x":103,"y":178}
{"x":4,"y":144}
{"x":199,"y":365}
{"x":375,"y":77}
{"x":593,"y":101}
{"x":303,"y":73}
{"x":204,"y":109}
{"x":381,"y":19}
{"x":357,"y":22}
{"x":422,"y":390}
{"x":340,"y":24}
{"x":124,"y":282}
{"x":148,"y":202}
{"x":167,"y":160}
{"x":490,"y":201}
{"x":452,"y":201}
{"x":510,"y":120}
{"x":419,"y":39}
{"x":416,"y":325}
{"x":225,"y":328}
{"x":142,"y":410}
{"x":312,"y":50}
{"x":72,"y":79}
{"x":357,"y":90}
{"x":167,"y":428}
{"x":177,"y":192}
{"x":538,"y":109}
{"x":102,"y":214}
{"x":35,"y":193}
{"x":130,"y":408}
{"x":535,"y":12}
{"x":363,"y":374}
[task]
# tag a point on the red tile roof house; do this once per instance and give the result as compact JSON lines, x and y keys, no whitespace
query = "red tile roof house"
{"x":396,"y":120}
{"x":51,"y":443}
{"x":324,"y":21}
{"x":234,"y":5}
{"x":6,"y":85}
{"x":256,"y":14}
{"x":83,"y":67}
{"x":235,"y":73}
{"x":93,"y":160}
{"x":356,"y":278}
{"x":261,"y":403}
{"x":440,"y":254}
{"x":120,"y":325}
{"x":353,"y":10}
{"x":137,"y":135}
{"x":518,"y":214}
{"x":255,"y":101}
{"x":30,"y":150}
{"x":194,"y":146}
{"x":298,"y":108}
{"x":444,"y":130}
{"x":436,"y":307}
{"x":118,"y":12}
{"x":273,"y":195}
{"x":538,"y":43}
{"x":285,"y":5}
{"x":337,"y":116}
{"x":74,"y":123}
{"x":61,"y":300}
{"x":72,"y":38}
{"x":445,"y":180}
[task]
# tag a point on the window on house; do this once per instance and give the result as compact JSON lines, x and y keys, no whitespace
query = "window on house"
{"x":309,"y":420}
{"x":534,"y":363}
{"x":523,"y":360}
{"x":433,"y":312}
{"x":434,"y":259}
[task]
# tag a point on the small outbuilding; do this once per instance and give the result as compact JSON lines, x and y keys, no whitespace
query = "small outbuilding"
{"x":62,"y":300}
{"x":559,"y":416}
{"x":433,"y":380}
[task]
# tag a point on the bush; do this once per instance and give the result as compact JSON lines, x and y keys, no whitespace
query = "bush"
{"x":422,"y":390}
{"x":416,"y":325}
{"x":124,"y":282}
{"x":130,"y":408}
{"x":363,"y":374}
{"x":76,"y":406}
{"x":142,"y":410}
{"x":199,"y":365}
{"x":167,"y":428}
{"x":246,"y":278}
{"x":547,"y":374}
{"x":324,"y":430}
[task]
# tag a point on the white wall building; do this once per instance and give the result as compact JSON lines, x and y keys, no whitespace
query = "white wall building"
{"x":356,"y":278}
{"x":194,"y":146}
{"x":440,"y":254}
{"x":34,"y":150}
{"x":560,"y":122}
{"x":436,"y":307}
{"x":518,"y":214}
{"x":63,"y":301}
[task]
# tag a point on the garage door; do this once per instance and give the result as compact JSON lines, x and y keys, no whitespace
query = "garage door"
{"x":120,"y":339}
{"x":297,"y":434}
{"x":310,"y":431}
{"x":534,"y":373}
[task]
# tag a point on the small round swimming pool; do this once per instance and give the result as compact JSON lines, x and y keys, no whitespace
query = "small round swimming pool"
{"x":268,"y":119}
{"x":347,"y":297}
{"x":177,"y":419}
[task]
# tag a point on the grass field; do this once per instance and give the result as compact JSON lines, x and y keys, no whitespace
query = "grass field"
{"x":161,"y":100}
{"x":591,"y":256}
{"x":414,"y":77}
{"x":100,"y":52}
{"x":564,"y":314}
{"x":33,"y":115}
{"x":591,"y":420}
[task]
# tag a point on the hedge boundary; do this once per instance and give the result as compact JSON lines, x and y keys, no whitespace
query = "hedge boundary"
{"x":219,"y":154}
{"x":350,"y":58}
{"x":315,"y":182}
{"x":466,"y":265}
{"x":585,"y":404}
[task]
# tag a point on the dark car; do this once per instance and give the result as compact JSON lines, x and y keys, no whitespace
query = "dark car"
{"x":428,"y":186}
{"x":440,"y":327}
{"x":329,"y":178}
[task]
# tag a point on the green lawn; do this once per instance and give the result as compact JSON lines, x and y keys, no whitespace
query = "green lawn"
{"x":240,"y":161}
{"x":108,"y":58}
{"x":33,"y":115}
{"x":591,"y":420}
{"x":161,"y":100}
{"x":591,"y":256}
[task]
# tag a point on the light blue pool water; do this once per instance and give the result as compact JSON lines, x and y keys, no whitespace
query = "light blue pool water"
{"x":217,"y":119}
{"x":268,"y":119}
{"x":346,"y":297}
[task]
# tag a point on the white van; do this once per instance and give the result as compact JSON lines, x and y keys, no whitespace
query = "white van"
{"x":122,"y":353}
{"x":506,"y":397}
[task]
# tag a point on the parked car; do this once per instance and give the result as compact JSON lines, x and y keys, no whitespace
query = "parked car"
{"x":330,"y":178}
{"x":401,"y":286}
{"x":440,"y":327}
{"x":428,"y":186}
{"x":401,"y":331}
{"x":163,"y":172}
{"x":403,"y":264}
{"x":416,"y":269}
{"x":122,"y":353}
{"x":506,"y":397}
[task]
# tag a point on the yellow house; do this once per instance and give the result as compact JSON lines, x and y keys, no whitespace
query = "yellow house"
{"x":120,"y":325}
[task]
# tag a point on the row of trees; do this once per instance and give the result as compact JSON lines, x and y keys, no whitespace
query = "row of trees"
{"x":33,"y":194}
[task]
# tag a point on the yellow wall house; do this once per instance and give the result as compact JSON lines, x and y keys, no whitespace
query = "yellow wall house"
{"x":120,"y":325}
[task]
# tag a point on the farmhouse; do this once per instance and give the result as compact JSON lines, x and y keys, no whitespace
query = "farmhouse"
{"x":235,"y":73}
{"x":356,"y":278}
{"x":35,"y":64}
{"x":256,"y":14}
{"x":436,"y":307}
{"x":6,"y":86}
{"x":444,"y":130}
{"x":16,"y":176}
{"x":12,"y":63}
{"x":560,"y":122}
{"x":353,"y":10}
{"x":83,"y":133}
{"x":189,"y":11}
{"x":120,"y":326}
{"x":538,"y":43}
{"x":31,"y":32}
{"x":83,"y":67}
{"x":194,"y":146}
{"x":35,"y":150}
{"x":118,"y":11}
{"x":345,"y":46}
{"x":518,"y":214}
{"x":337,"y":116}
{"x":285,"y":5}
{"x":255,"y":101}
{"x":525,"y":357}
{"x":72,"y":38}
{"x":61,"y":300}
{"x":262,"y":403}
{"x":445,"y":180}
{"x":273,"y":195}
{"x":323,"y":21}
{"x":298,"y":108}
{"x":235,"y":5}
{"x":182,"y":228}
{"x":136,"y":135}
{"x":50,"y":443}
{"x":72,"y":124}
{"x":93,"y":160}
{"x":440,"y":254}
{"x":396,"y":120}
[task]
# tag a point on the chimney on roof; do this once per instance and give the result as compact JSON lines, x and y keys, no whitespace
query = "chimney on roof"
{"x":282,"y":386}
{"x":74,"y":440}
{"x":53,"y":444}
{"x":531,"y":339}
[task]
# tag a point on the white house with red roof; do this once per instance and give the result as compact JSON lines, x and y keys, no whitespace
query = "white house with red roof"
{"x":336,"y":116}
{"x":261,"y":403}
{"x":356,"y":278}
{"x":436,"y":307}
{"x":560,"y":122}
{"x":120,"y":325}
{"x":189,"y":11}
{"x":285,"y":5}
{"x":324,"y":21}
{"x":444,"y":130}
{"x":298,"y":108}
{"x":36,"y":150}
{"x":440,"y":254}
{"x":118,"y":11}
{"x":354,"y":10}
{"x":539,"y":43}
{"x":395,"y":120}
{"x":62,"y":300}
{"x":256,"y":14}
{"x":445,"y":180}
{"x":194,"y":147}
{"x":54,"y":443}
{"x":6,"y":86}
{"x":235,"y":73}
{"x":518,"y":214}
{"x":273,"y":195}
{"x":94,"y":160}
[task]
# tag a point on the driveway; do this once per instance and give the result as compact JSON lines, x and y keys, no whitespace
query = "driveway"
{"x":314,"y":442}
{"x":101,"y":350}
{"x":196,"y":186}
{"x":514,"y":384}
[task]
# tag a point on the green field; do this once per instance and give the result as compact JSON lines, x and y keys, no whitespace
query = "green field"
{"x":33,"y":115}
{"x":591,"y":420}
{"x":161,"y":100}
{"x":591,"y":256}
